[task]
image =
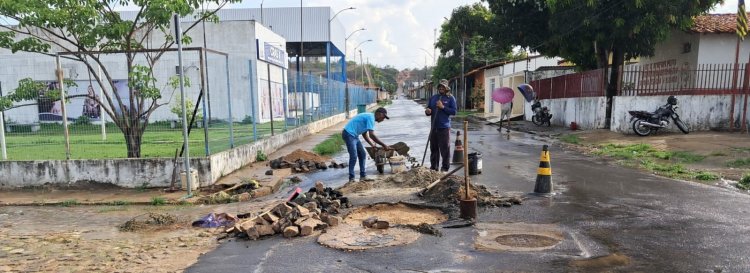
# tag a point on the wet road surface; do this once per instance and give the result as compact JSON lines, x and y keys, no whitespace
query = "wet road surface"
{"x":612,"y":219}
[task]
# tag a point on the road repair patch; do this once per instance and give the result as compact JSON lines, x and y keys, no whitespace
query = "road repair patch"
{"x":357,"y":237}
{"x":517,"y":236}
{"x":397,"y":214}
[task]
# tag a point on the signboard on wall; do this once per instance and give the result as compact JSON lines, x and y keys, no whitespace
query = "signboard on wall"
{"x":276,"y":106}
{"x":84,"y":102}
{"x":272,"y":53}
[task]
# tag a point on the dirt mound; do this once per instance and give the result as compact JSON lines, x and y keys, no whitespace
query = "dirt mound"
{"x":304,"y":156}
{"x":418,"y":177}
{"x":149,"y":221}
{"x":451,"y":190}
{"x":397,"y":214}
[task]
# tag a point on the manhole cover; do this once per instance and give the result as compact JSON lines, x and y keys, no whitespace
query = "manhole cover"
{"x":526,"y":240}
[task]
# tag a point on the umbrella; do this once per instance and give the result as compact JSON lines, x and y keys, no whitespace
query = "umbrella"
{"x":502,"y":95}
{"x":527,"y":91}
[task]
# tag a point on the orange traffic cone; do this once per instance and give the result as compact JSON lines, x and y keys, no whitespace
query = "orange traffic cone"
{"x":544,"y":173}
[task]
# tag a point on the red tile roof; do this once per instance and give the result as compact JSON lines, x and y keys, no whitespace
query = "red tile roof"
{"x":715,"y":23}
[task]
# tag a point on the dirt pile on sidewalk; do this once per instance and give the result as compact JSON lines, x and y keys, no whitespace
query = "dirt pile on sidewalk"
{"x":301,"y":161}
{"x":304,"y":155}
{"x":149,"y":221}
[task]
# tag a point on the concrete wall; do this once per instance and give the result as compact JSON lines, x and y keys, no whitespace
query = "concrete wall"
{"x":229,"y":161}
{"x":699,"y":113}
{"x":588,"y":113}
{"x":128,"y":173}
{"x":156,"y":172}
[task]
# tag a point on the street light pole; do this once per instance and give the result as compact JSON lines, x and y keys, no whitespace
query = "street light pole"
{"x":355,"y":56}
{"x":261,"y":13}
{"x":328,"y":59}
{"x":346,"y":77}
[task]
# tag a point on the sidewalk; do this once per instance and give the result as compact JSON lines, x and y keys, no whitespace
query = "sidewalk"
{"x":722,"y":157}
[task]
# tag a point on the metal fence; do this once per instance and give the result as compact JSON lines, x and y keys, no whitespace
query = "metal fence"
{"x":583,"y":84}
{"x":666,"y":78}
{"x":236,"y":108}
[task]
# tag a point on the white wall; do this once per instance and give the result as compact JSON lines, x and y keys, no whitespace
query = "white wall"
{"x":237,"y":38}
{"x":699,"y":113}
{"x":588,"y":113}
{"x":672,"y":49}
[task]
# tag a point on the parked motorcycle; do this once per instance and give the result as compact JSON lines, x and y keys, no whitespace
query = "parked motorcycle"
{"x":646,"y":123}
{"x":541,"y":114}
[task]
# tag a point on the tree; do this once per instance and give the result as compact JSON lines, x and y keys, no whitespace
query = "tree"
{"x":470,"y":25}
{"x":87,"y":26}
{"x":589,"y":33}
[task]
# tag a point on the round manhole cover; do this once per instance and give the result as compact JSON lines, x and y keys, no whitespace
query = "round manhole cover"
{"x":526,"y":240}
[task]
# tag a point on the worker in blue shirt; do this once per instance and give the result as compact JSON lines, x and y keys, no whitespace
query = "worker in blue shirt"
{"x":440,"y":107}
{"x":362,"y":124}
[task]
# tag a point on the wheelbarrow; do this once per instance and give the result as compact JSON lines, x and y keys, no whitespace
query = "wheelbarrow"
{"x":382,"y":157}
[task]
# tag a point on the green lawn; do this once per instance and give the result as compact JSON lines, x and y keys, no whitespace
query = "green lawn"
{"x":159,"y":141}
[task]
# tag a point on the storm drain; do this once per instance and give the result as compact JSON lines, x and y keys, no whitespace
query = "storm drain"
{"x":526,"y":240}
{"x":517,"y":237}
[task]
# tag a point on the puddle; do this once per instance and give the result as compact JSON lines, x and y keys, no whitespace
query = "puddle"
{"x":526,"y":240}
{"x":602,"y":263}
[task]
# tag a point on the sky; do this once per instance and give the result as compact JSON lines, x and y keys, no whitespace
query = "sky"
{"x":400,"y":29}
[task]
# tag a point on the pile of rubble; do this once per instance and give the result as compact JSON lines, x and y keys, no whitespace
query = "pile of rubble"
{"x":304,"y":214}
{"x":451,"y":190}
{"x":301,"y":161}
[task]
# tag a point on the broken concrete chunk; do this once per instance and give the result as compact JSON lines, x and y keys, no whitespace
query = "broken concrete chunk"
{"x":311,"y":206}
{"x":291,"y":231}
{"x":260,"y":221}
{"x":282,"y":210}
{"x":270,"y":218}
{"x":319,"y":186}
{"x":333,"y":220}
{"x":370,"y":222}
{"x":380,"y":224}
{"x":302,"y":211}
{"x":242,"y":197}
{"x":264,"y":230}
{"x":244,"y":226}
{"x":336,"y":204}
{"x":252,"y":233}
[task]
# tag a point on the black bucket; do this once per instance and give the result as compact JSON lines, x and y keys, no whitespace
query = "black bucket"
{"x":475,"y":163}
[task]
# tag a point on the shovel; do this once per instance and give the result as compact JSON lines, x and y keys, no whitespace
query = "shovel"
{"x":421,"y":193}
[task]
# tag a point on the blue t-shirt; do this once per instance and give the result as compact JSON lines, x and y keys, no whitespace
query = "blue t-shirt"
{"x":360,"y":124}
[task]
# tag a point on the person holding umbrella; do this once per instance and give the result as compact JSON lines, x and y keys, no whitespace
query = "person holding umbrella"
{"x":440,"y":107}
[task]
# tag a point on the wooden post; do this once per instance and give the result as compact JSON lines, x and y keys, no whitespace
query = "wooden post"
{"x":466,"y":160}
{"x":66,"y":133}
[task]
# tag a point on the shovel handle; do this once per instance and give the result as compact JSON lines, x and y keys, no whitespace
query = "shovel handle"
{"x":442,"y":178}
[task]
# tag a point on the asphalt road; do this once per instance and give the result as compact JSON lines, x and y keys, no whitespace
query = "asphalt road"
{"x":612,"y":219}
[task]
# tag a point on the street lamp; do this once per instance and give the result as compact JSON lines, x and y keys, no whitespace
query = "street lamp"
{"x":328,"y":59}
{"x":355,"y":52}
{"x":346,"y":78}
{"x":261,"y":13}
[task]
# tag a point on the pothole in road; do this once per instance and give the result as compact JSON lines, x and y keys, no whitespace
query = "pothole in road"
{"x":397,"y":214}
{"x":351,"y":235}
{"x":526,"y":240}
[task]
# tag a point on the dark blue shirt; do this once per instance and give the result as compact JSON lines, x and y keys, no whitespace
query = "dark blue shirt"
{"x":442,"y":115}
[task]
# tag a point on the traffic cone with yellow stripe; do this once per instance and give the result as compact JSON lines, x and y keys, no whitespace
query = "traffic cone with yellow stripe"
{"x":544,"y":173}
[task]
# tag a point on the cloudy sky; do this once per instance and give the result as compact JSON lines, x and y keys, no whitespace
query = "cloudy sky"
{"x":398,"y":28}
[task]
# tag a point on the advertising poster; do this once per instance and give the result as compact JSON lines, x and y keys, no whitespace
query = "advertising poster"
{"x":50,"y":110}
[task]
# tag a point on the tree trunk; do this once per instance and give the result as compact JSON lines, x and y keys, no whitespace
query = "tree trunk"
{"x":618,"y":58}
{"x":133,"y":138}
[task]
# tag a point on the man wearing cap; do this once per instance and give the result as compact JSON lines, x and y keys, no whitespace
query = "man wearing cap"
{"x":440,"y":107}
{"x":362,"y":124}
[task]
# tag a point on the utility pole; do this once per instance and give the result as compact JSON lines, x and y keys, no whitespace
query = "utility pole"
{"x":463,"y":83}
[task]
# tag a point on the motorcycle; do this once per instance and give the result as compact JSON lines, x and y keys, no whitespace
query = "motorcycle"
{"x":646,"y":123}
{"x":541,"y":114}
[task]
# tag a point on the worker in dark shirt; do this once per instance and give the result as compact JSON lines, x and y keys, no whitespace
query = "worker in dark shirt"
{"x":440,"y":107}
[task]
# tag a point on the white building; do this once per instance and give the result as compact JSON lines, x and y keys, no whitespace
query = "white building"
{"x":511,"y":74}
